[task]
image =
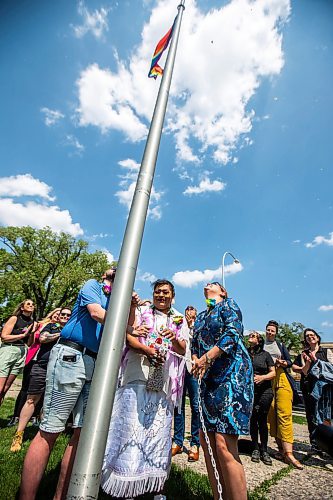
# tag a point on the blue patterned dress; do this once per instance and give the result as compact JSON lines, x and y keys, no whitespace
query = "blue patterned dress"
{"x":227,"y":386}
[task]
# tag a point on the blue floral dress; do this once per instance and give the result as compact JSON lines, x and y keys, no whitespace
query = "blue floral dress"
{"x":227,"y":386}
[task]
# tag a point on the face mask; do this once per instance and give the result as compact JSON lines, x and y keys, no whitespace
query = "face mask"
{"x":210,"y":302}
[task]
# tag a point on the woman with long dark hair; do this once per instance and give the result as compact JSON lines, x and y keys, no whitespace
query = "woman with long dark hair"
{"x":264,"y":372}
{"x":223,"y":364}
{"x":16,"y":335}
{"x":280,"y":414}
{"x":303,"y":364}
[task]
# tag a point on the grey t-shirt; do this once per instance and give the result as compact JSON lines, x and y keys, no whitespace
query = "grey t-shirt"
{"x":272,"y":348}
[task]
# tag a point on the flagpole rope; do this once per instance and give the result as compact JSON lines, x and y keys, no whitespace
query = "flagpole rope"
{"x":204,"y":430}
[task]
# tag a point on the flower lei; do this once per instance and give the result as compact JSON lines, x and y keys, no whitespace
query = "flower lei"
{"x":156,"y":338}
{"x":106,"y":289}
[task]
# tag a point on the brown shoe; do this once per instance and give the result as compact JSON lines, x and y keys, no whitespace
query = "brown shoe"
{"x":17,"y":441}
{"x":193,"y":454}
{"x":291,"y":460}
{"x":176,"y":449}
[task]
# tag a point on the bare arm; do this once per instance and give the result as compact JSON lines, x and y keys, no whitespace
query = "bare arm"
{"x":8,"y":328}
{"x":97,"y":312}
{"x":47,"y":337}
{"x":137,"y":346}
{"x":258,"y":379}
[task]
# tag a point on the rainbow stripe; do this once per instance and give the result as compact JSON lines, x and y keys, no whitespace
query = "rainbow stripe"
{"x":155,"y":69}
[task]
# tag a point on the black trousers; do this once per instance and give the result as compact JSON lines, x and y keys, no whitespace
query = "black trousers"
{"x":310,"y":413}
{"x":22,"y":395}
{"x":258,"y":423}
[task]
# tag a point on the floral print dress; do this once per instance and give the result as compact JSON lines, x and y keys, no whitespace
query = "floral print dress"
{"x":227,"y":386}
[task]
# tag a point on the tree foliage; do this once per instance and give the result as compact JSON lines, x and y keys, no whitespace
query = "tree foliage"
{"x":45,"y":266}
{"x":292,"y":335}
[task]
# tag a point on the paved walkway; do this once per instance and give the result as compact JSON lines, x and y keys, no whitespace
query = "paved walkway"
{"x":314,"y":482}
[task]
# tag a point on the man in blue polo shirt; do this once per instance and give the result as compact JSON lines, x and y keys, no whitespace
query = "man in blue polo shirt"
{"x":69,"y":375}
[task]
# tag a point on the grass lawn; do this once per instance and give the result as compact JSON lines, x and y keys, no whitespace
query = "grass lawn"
{"x":182,"y":484}
{"x":298,"y":419}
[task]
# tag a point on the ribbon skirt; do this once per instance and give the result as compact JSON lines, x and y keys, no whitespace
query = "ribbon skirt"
{"x":138,"y":452}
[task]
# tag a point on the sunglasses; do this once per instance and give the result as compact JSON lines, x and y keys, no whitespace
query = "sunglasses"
{"x":65,"y":315}
{"x":252,"y":335}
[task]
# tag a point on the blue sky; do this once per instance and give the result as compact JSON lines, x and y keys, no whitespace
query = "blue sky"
{"x":245,"y":158}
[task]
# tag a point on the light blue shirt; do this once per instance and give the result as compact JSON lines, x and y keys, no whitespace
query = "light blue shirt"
{"x":81,"y":328}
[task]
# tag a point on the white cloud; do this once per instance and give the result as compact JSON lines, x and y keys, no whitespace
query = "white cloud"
{"x":327,"y":324}
{"x":326,"y":308}
{"x":32,"y":213}
{"x":106,"y":102}
{"x":147,"y":277}
{"x":223,"y":56}
{"x":72,"y":141}
{"x":188,"y":279}
{"x":109,"y":255}
{"x":24,"y":185}
{"x":93,"y":21}
{"x":321,"y":240}
{"x":205,"y":186}
{"x":128,"y":183}
{"x":51,"y":116}
{"x":38,"y":216}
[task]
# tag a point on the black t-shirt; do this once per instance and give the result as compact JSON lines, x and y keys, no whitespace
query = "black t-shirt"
{"x":308,"y":381}
{"x":262,"y":362}
{"x":45,"y":349}
{"x":22,"y":322}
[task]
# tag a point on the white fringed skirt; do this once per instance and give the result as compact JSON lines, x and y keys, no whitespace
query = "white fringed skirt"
{"x":138,"y":452}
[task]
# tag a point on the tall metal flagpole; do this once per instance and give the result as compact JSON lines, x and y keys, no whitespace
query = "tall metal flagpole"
{"x":86,"y":474}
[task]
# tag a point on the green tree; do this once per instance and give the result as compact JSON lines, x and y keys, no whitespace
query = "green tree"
{"x":45,"y":266}
{"x":291,"y":335}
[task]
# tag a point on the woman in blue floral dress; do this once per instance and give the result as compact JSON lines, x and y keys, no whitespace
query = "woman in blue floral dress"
{"x":222,"y":362}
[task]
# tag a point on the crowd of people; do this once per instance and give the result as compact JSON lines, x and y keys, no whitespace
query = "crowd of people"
{"x":235,"y":388}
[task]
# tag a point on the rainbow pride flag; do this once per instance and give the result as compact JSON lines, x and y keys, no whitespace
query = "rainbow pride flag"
{"x":155,"y":69}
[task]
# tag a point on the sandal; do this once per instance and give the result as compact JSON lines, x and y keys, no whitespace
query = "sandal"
{"x":291,"y":460}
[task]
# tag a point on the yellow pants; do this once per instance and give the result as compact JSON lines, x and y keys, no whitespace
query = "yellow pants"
{"x":280,"y":414}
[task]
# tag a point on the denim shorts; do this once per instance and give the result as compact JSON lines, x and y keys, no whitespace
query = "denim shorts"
{"x":68,"y":381}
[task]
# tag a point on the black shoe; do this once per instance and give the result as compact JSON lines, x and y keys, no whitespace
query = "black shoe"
{"x":315,"y":451}
{"x":266,"y":458}
{"x":255,"y":457}
{"x":13,"y":421}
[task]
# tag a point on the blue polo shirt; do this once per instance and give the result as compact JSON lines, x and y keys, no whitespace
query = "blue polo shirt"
{"x":81,"y":327}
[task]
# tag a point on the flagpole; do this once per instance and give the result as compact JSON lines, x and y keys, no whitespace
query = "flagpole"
{"x":86,"y":473}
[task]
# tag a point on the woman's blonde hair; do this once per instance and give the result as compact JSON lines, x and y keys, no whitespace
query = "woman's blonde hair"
{"x":48,"y":317}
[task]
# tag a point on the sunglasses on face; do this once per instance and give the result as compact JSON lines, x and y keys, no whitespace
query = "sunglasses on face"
{"x":66,"y":315}
{"x":253,"y":335}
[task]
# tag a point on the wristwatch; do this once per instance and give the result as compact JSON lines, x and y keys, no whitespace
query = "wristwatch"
{"x":208,"y":359}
